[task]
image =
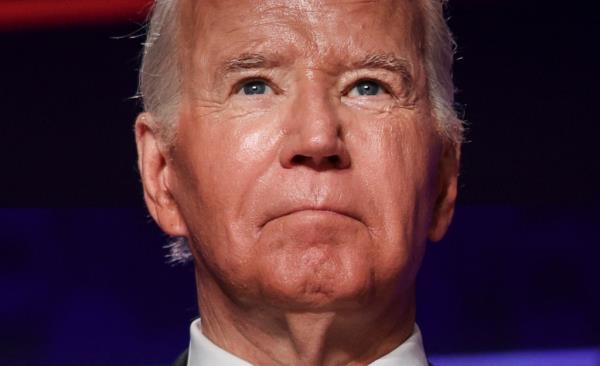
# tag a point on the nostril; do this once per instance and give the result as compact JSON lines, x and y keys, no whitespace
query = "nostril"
{"x":326,"y":162}
{"x":334,"y":160}
{"x":299,"y":159}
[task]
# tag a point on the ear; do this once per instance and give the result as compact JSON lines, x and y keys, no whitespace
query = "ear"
{"x":156,"y":174}
{"x":447,"y":189}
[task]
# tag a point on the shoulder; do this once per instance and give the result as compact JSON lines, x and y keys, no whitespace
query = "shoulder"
{"x":182,"y":359}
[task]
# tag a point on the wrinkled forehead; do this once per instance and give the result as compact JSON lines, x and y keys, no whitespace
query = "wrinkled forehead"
{"x":310,"y":26}
{"x":311,"y":11}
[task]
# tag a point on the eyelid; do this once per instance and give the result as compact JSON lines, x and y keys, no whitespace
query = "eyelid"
{"x":237,"y":87}
{"x":384,"y":86}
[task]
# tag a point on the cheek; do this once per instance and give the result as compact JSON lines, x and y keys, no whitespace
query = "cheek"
{"x":398,"y":165}
{"x":226,"y":154}
{"x":396,"y":159}
{"x":220,"y":159}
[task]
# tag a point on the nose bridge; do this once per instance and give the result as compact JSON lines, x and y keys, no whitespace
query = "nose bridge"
{"x":314,"y":129}
{"x":315,"y":119}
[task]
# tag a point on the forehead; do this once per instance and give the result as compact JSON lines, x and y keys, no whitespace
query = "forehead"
{"x":336,"y":29}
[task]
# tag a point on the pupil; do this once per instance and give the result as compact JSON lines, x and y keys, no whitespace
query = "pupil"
{"x":255,"y":87}
{"x":368,"y":88}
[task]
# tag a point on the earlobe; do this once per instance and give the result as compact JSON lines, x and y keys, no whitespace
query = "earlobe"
{"x":155,"y":173}
{"x":447,"y":191}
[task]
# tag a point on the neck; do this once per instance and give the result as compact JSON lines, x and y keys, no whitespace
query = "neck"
{"x":267,"y":335}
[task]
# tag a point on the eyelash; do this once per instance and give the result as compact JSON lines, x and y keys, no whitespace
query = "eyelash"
{"x":385,"y":86}
{"x":240,"y":84}
{"x":237,"y":87}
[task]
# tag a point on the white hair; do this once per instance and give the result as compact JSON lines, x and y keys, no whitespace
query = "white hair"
{"x":161,"y":80}
{"x":160,"y":75}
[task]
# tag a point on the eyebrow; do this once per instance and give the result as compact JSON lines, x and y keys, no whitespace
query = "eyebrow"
{"x":248,"y":61}
{"x":387,"y":62}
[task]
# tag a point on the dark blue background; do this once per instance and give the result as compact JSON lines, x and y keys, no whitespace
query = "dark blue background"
{"x":82,"y":270}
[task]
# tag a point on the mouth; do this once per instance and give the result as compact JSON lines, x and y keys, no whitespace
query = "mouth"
{"x":313,"y":209}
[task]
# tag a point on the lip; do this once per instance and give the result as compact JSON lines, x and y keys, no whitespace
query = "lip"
{"x":308,"y":208}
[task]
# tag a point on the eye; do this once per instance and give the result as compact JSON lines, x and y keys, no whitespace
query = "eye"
{"x":366,"y":88}
{"x":255,"y":87}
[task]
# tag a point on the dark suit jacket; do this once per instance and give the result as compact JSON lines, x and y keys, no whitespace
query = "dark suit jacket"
{"x":182,"y":360}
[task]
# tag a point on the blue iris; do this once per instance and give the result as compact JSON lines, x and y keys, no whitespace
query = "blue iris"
{"x":255,"y":87}
{"x":367,"y":87}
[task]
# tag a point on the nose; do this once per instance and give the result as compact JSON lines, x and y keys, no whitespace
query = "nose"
{"x":314,"y":137}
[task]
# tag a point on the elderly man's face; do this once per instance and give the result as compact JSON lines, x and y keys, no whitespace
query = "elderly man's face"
{"x":307,"y":170}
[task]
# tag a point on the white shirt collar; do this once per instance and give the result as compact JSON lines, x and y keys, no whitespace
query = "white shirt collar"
{"x":204,"y":352}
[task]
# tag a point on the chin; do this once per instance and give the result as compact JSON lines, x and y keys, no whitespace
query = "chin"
{"x":319,"y":280}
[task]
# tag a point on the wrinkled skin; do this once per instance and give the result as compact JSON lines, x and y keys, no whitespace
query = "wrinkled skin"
{"x":306,"y":175}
